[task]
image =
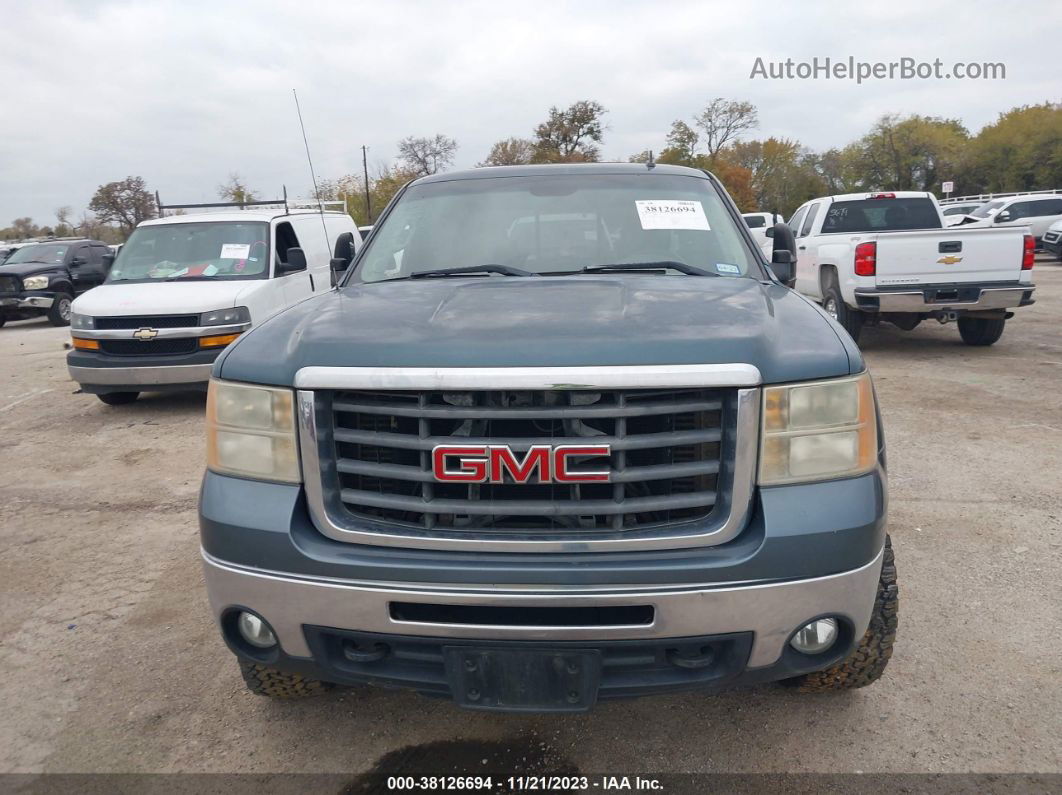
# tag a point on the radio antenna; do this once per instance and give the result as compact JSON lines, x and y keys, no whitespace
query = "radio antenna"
{"x":316,"y":192}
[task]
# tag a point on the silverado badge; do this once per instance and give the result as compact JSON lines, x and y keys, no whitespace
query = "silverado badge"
{"x":145,"y":334}
{"x":949,"y":260}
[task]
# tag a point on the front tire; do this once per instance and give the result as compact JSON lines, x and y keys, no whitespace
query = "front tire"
{"x":981,"y":330}
{"x":118,"y":398}
{"x":59,"y":311}
{"x":850,"y":319}
{"x":265,"y":681}
{"x":867,"y":663}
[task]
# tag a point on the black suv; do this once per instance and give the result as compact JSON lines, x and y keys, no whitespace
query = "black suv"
{"x":44,"y":278}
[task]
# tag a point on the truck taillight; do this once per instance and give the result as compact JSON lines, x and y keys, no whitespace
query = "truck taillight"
{"x":866,"y":259}
{"x":1028,"y":255}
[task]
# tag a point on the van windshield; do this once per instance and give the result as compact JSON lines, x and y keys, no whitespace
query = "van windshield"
{"x":213,"y":250}
{"x":557,"y":224}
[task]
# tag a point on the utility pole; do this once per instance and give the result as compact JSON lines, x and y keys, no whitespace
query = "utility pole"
{"x":365,"y":167}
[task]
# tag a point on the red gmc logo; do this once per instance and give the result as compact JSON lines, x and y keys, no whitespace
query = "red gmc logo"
{"x":542,"y":463}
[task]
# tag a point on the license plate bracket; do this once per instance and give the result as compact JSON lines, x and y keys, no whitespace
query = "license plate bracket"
{"x":523,"y":679}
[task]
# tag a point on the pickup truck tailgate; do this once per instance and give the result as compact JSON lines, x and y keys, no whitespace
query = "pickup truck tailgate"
{"x":948,"y":256}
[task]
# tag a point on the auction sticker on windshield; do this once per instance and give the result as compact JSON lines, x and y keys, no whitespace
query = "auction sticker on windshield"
{"x":235,"y":251}
{"x":672,"y":214}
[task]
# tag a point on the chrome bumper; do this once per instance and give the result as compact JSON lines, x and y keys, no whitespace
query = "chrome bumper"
{"x":771,"y":611}
{"x":915,"y":300}
{"x":29,"y":302}
{"x":142,"y":376}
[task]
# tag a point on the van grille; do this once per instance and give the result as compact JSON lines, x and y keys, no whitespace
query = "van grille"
{"x":135,"y":322}
{"x":149,"y":347}
{"x":664,"y":464}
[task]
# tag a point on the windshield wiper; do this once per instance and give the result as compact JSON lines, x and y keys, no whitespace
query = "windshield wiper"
{"x":681,"y":267}
{"x":505,"y":270}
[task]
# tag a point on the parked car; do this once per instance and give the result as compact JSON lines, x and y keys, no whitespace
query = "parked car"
{"x":527,"y":469}
{"x":869,"y":257}
{"x":1035,"y":212}
{"x":759,"y":223}
{"x":44,"y":278}
{"x":1053,"y":239}
{"x":183,"y":287}
{"x":956,"y":213}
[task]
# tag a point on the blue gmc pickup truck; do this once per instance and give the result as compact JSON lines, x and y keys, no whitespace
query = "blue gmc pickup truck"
{"x":560,"y":434}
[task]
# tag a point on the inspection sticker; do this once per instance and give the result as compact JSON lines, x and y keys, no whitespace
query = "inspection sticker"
{"x":234,"y":251}
{"x":672,"y":214}
{"x":724,"y":267}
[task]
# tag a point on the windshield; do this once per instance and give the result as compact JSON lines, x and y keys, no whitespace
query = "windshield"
{"x":986,"y":210}
{"x":49,"y":253}
{"x":556,"y":224}
{"x":215,"y":250}
{"x":880,"y":215}
{"x":961,"y":209}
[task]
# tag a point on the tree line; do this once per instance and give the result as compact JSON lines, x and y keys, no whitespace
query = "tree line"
{"x":1021,"y":150}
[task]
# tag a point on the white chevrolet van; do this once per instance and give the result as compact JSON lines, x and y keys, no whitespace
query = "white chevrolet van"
{"x":185,"y":286}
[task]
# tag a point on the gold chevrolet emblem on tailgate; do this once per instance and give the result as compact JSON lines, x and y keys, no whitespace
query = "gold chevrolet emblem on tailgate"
{"x":145,"y":334}
{"x":949,"y":260}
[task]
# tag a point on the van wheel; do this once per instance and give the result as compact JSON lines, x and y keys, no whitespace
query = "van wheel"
{"x":981,"y":330}
{"x":118,"y":398}
{"x":850,"y":319}
{"x":265,"y":681}
{"x":867,"y":663}
{"x":59,"y":311}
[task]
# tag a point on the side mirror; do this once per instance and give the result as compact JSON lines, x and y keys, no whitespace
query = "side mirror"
{"x":769,"y":231}
{"x":108,"y":261}
{"x":296,"y":262}
{"x":783,"y":267}
{"x":1003,"y":216}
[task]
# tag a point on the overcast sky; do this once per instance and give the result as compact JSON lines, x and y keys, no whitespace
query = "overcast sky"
{"x":184,"y":93}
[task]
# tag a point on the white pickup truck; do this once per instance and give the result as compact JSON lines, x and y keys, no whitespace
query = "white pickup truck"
{"x":871,"y":257}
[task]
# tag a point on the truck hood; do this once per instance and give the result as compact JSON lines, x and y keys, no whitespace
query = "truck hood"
{"x":163,"y":298}
{"x":548,"y":321}
{"x":24,"y":269}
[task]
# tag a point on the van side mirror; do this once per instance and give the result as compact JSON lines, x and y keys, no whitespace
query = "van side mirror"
{"x":296,"y":262}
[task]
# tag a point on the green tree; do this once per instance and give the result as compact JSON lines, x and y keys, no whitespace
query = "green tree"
{"x":1022,"y":150}
{"x":236,"y":190}
{"x":912,"y":153}
{"x":126,"y":203}
{"x":782,"y":172}
{"x":570,"y":135}
{"x":838,"y":169}
{"x":510,"y":152}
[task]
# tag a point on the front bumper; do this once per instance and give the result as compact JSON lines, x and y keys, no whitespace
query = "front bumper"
{"x":40,"y":301}
{"x":101,"y":373}
{"x":945,"y":297}
{"x":1054,"y":246}
{"x":807,"y":551}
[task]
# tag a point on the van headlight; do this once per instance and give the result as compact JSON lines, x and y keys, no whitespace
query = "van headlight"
{"x":251,"y":432}
{"x":818,"y":431}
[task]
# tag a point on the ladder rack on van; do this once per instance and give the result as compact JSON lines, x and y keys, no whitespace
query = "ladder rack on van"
{"x":288,"y":204}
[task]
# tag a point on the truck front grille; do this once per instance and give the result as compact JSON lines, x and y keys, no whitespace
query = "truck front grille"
{"x":147,"y":321}
{"x":664,"y":465}
{"x":160,"y":347}
{"x":10,"y":285}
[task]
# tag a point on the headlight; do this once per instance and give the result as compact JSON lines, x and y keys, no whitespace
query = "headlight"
{"x":35,"y":283}
{"x":81,"y":321}
{"x":251,"y":432}
{"x":818,"y":431}
{"x":226,"y":317}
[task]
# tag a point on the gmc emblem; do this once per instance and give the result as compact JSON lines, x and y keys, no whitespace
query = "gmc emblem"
{"x":542,"y":463}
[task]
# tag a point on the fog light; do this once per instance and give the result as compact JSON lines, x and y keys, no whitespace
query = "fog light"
{"x":816,"y":637}
{"x":256,"y":631}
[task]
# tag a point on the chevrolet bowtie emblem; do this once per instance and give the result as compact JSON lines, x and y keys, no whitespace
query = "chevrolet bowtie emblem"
{"x":145,"y":334}
{"x":949,"y":260}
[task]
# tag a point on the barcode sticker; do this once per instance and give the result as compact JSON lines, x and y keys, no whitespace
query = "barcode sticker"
{"x":672,"y":214}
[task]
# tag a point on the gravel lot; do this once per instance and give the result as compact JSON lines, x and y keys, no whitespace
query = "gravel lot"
{"x":111,"y":661}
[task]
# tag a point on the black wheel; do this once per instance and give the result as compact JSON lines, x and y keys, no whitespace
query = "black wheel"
{"x":981,"y":330}
{"x":867,"y":663}
{"x":118,"y":398}
{"x":59,"y":312}
{"x":265,"y":681}
{"x":850,"y":319}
